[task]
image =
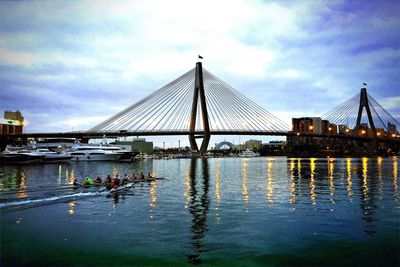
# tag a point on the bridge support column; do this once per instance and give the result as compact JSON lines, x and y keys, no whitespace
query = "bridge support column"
{"x":199,"y":92}
{"x":364,"y":103}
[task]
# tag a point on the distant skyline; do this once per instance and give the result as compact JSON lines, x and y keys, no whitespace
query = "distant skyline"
{"x":68,"y":65}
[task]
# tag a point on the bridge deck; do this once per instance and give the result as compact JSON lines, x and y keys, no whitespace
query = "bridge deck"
{"x":88,"y":135}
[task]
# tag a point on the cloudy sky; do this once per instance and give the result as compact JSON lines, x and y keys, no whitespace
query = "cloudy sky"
{"x":71,"y":64}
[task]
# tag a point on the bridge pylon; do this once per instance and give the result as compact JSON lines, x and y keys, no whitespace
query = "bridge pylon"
{"x":364,"y":103}
{"x":199,"y":93}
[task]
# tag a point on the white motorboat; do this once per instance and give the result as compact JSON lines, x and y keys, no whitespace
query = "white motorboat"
{"x":52,"y":156}
{"x":95,"y":153}
{"x":20,"y":155}
{"x":248,"y":154}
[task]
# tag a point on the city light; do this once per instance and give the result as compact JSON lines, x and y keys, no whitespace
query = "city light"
{"x":311,"y":127}
{"x":363,"y":132}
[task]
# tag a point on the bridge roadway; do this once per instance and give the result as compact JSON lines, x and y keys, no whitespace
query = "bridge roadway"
{"x":88,"y":135}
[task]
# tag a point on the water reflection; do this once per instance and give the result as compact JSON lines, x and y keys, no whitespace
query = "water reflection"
{"x":269,"y":183}
{"x":364,"y":178}
{"x":349,"y":184}
{"x":71,"y":205}
{"x":312,"y":181}
{"x":367,"y":203}
{"x":59,"y":174}
{"x":395,"y":176}
{"x":198,"y":208}
{"x":217,"y":193}
{"x":22,"y":184}
{"x":153,"y":190}
{"x":9,"y":178}
{"x":187,"y":185}
{"x":292,"y":183}
{"x":331,"y":169}
{"x":244,"y":182}
{"x":379,"y":160}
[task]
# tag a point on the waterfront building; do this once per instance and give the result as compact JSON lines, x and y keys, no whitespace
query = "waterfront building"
{"x":344,"y":129}
{"x":137,"y":144}
{"x":12,"y":123}
{"x":328,"y":128}
{"x":307,"y":125}
{"x":253,"y":144}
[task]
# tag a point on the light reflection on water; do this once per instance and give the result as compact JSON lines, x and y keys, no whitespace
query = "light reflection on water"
{"x":244,"y":182}
{"x":349,"y":170}
{"x":256,"y":205}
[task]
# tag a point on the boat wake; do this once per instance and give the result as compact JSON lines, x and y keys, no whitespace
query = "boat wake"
{"x":48,"y":200}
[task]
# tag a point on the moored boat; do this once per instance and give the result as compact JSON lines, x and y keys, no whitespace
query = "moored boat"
{"x":248,"y":154}
{"x":51,"y":156}
{"x":93,"y":153}
{"x":20,"y":156}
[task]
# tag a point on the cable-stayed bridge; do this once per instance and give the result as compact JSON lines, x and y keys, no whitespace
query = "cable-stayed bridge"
{"x":199,"y":104}
{"x":362,"y":109}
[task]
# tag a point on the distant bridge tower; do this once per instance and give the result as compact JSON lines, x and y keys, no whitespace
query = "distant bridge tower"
{"x":364,"y":103}
{"x":199,"y":92}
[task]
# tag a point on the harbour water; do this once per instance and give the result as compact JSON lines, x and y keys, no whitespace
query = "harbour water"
{"x":264,"y":211}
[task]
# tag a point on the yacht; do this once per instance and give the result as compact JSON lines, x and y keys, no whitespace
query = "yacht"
{"x":20,"y":155}
{"x":248,"y":154}
{"x":95,"y":153}
{"x":51,"y":156}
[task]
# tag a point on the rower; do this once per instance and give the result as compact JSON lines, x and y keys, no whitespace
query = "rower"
{"x":124,"y":180}
{"x":133,"y":177}
{"x":107,"y":180}
{"x":116,"y":181}
{"x":142,"y":176}
{"x":88,"y":181}
{"x":97,"y":180}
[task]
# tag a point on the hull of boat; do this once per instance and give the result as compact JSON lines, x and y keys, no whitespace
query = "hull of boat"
{"x":102,"y":157}
{"x":20,"y":159}
{"x":57,"y":158}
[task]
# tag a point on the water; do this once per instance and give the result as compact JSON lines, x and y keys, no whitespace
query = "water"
{"x":216,"y":212}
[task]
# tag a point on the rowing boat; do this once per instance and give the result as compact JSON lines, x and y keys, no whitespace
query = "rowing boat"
{"x":130,"y":181}
{"x":120,"y":188}
{"x":147,"y":179}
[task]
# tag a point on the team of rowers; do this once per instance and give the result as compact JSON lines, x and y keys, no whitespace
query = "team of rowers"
{"x":114,"y":182}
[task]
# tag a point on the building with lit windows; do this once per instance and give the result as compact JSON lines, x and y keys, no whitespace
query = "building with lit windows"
{"x":12,"y":123}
